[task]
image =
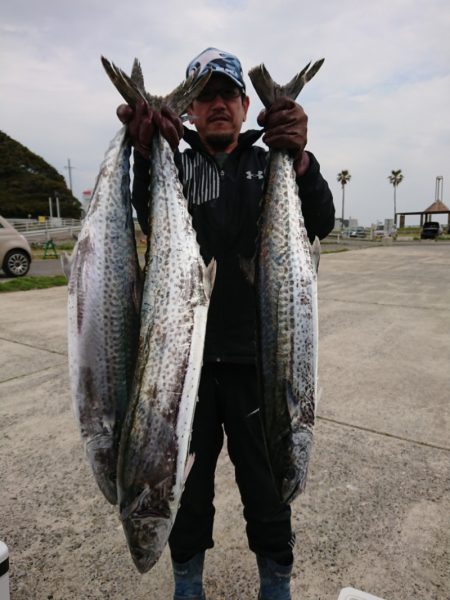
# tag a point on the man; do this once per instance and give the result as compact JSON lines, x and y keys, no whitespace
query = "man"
{"x":223,"y":177}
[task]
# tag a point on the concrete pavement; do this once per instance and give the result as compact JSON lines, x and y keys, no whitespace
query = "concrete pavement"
{"x":375,"y":512}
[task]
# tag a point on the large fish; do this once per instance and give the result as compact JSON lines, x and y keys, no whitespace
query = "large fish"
{"x":286,"y":290}
{"x":153,"y":456}
{"x":103,"y":315}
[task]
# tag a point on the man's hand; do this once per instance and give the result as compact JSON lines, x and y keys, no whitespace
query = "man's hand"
{"x":142,"y":122}
{"x":286,"y":128}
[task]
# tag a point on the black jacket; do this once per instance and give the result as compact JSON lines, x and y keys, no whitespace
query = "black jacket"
{"x":225,"y":203}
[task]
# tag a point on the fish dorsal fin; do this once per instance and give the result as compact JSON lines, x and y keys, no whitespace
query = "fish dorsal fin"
{"x":178,"y":100}
{"x":268,"y":90}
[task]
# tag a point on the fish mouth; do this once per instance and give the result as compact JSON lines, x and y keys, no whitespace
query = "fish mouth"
{"x":142,"y":561}
{"x":147,"y":522}
{"x":146,"y":537}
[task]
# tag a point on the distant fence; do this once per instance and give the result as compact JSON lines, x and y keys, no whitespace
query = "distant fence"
{"x":54,"y":228}
{"x":335,"y":236}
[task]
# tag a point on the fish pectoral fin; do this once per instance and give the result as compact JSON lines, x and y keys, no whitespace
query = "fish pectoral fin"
{"x":67,"y":261}
{"x":318,"y":399}
{"x":247,"y":266}
{"x":209,"y":277}
{"x":187,"y":469}
{"x":315,"y":253}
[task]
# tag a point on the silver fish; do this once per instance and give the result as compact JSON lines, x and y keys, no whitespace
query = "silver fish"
{"x":286,"y":291}
{"x":103,"y":315}
{"x":153,"y":456}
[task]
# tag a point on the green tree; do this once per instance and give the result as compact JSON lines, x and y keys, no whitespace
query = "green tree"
{"x":27,"y":181}
{"x":396,"y":177}
{"x":343,"y":178}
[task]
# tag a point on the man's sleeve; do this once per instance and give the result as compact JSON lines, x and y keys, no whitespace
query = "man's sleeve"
{"x":140,"y":191}
{"x":317,"y":201}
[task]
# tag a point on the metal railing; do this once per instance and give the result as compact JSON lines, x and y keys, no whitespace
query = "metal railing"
{"x":51,"y":228}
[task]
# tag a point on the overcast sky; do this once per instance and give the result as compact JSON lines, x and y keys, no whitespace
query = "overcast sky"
{"x":380,"y":102}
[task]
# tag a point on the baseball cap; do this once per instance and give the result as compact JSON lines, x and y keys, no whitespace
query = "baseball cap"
{"x":218,"y":61}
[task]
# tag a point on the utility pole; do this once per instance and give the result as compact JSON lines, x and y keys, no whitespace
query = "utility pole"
{"x":69,"y":168}
{"x":439,"y":193}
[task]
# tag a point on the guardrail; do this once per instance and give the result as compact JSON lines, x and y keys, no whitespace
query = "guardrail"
{"x":55,"y":228}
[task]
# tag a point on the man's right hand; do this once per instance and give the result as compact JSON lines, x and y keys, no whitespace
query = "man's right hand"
{"x":141,"y":124}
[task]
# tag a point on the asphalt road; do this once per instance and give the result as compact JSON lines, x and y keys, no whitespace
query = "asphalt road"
{"x":374,"y":515}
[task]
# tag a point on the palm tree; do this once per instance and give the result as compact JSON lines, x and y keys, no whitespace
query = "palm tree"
{"x":395,"y":178}
{"x":343,"y":178}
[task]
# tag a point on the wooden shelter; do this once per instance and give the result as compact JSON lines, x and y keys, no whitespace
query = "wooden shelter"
{"x":437,"y":208}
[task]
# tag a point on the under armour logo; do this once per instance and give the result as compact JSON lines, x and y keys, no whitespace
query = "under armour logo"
{"x":258,"y":175}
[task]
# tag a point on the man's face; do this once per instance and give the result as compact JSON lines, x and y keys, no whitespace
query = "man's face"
{"x":219,"y":112}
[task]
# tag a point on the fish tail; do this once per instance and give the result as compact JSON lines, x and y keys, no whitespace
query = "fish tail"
{"x":268,"y":90}
{"x":137,"y":76}
{"x":132,"y":88}
{"x":183,"y":95}
{"x":128,"y":89}
{"x":67,"y":261}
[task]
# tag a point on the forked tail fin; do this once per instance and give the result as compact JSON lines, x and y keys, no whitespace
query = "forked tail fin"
{"x":132,"y":91}
{"x":268,"y":90}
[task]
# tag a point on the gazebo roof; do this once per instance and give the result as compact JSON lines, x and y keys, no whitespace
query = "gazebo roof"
{"x":437,"y":207}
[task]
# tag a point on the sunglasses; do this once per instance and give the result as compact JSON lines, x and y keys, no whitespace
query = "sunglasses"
{"x":229,"y":93}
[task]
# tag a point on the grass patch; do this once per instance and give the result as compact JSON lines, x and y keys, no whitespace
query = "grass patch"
{"x":334,"y":251}
{"x":21,"y":284}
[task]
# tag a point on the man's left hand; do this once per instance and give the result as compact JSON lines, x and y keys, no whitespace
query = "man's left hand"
{"x":286,"y":128}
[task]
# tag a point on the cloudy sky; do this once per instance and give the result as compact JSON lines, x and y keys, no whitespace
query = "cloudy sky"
{"x":380,"y":102}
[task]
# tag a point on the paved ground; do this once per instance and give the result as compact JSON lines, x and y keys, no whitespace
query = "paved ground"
{"x":375,"y":513}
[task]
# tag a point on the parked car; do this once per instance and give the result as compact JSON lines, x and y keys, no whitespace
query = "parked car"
{"x":381,"y":232}
{"x":430,"y":230}
{"x":15,"y":251}
{"x":358,"y":232}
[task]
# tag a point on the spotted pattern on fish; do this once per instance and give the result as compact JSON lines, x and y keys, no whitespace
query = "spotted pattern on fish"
{"x":156,"y":433}
{"x":103,"y":309}
{"x":286,"y":286}
{"x":287,"y":314}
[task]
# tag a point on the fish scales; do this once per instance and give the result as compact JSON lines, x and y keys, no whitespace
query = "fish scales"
{"x":103,"y":315}
{"x":156,"y":435}
{"x":287,"y":315}
{"x":287,"y":307}
{"x":153,"y":455}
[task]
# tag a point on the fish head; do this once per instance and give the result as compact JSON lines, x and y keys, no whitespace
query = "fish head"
{"x":147,"y":523}
{"x":294,"y":480}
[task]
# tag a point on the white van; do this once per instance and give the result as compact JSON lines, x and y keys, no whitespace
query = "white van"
{"x":15,"y":251}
